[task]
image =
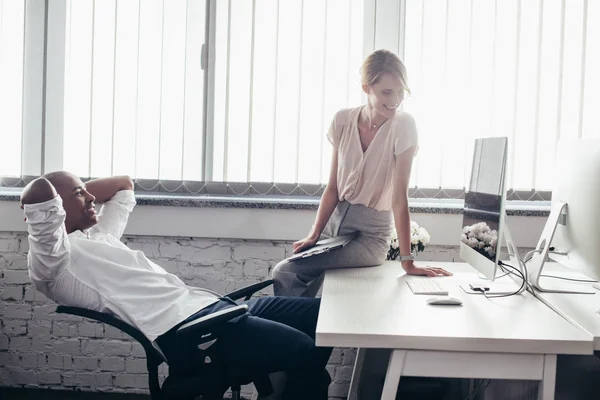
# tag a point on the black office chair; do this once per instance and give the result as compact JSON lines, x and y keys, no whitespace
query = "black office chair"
{"x":210,"y":380}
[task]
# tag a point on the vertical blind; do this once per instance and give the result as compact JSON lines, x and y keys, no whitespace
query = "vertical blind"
{"x":12,"y":36}
{"x":134,"y":88}
{"x":516,"y":68}
{"x":138,"y":101}
{"x":283,"y":68}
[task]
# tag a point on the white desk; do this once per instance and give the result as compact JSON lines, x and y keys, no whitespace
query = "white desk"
{"x":580,"y":309}
{"x":515,"y":337}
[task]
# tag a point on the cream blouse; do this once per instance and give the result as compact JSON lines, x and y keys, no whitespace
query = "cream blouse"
{"x":367,"y":177}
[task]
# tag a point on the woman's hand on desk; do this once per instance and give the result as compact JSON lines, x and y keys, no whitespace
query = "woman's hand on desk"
{"x":412,"y":269}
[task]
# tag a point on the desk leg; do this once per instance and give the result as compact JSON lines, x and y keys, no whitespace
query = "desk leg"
{"x":547,"y":385}
{"x":356,"y":373}
{"x":392,"y":377}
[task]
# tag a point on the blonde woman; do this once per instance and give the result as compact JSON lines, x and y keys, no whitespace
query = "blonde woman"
{"x":367,"y":192}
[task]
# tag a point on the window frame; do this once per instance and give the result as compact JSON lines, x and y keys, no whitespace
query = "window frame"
{"x":44,"y":90}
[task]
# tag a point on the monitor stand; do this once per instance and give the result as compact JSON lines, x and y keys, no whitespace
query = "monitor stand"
{"x":535,"y":266}
{"x":513,"y":252}
{"x":505,"y":288}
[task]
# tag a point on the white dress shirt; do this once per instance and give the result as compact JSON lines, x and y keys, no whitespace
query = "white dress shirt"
{"x":95,"y":270}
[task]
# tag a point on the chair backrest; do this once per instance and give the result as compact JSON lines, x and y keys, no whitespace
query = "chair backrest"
{"x":151,"y":351}
{"x":153,"y":357}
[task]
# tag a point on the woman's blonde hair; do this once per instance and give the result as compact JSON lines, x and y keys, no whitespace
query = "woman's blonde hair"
{"x":379,"y":62}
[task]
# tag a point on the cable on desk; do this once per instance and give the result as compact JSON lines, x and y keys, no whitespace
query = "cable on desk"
{"x":530,"y":254}
{"x":524,"y":281}
{"x":530,"y":287}
{"x":551,"y":249}
{"x":519,"y":274}
{"x":528,"y":257}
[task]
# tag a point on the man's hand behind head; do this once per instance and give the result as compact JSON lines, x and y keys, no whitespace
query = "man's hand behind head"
{"x":38,"y":191}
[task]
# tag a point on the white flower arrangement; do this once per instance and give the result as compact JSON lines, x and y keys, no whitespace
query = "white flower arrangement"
{"x":419,"y":238}
{"x":480,"y":237}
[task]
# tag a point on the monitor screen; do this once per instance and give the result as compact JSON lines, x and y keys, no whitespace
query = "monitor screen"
{"x":484,"y":205}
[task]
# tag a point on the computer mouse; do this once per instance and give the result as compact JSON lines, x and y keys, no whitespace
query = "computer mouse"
{"x":444,"y":301}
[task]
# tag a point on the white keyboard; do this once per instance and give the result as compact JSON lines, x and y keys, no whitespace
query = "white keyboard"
{"x":425,"y":286}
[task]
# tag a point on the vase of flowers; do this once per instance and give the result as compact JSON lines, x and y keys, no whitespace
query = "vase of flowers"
{"x":419,"y":238}
{"x":481,"y":238}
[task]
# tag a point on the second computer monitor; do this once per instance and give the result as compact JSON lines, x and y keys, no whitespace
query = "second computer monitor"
{"x":483,"y":212}
{"x":577,"y":183}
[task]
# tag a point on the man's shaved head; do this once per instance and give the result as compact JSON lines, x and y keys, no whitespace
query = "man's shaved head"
{"x":77,"y":201}
{"x":61,"y":178}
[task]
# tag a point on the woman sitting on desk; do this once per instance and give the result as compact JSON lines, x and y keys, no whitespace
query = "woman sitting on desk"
{"x":373,"y":150}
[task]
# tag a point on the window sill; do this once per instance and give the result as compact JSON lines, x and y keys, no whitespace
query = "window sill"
{"x":279,"y":218}
{"x":273,"y":202}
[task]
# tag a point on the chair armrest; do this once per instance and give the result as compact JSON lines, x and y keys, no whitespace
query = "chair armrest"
{"x":248,"y":291}
{"x":210,"y":321}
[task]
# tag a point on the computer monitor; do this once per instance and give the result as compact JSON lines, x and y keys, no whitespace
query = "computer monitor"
{"x":576,"y":220}
{"x":484,"y":209}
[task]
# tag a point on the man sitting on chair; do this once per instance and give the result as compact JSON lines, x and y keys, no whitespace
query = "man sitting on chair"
{"x":77,"y":259}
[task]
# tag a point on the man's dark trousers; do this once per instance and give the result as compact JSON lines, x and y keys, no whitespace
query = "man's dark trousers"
{"x":276,"y":334}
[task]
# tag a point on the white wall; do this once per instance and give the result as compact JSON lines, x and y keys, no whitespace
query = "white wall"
{"x":267,"y":224}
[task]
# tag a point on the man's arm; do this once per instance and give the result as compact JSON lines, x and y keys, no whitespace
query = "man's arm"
{"x":105,"y":188}
{"x":116,"y":194}
{"x":48,"y":242}
{"x":37,"y":191}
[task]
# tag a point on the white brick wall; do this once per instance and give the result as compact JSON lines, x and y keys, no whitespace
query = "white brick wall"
{"x":39,"y":348}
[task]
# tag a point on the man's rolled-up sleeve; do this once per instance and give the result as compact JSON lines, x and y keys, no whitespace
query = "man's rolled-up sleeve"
{"x":49,"y":247}
{"x":114,"y":214}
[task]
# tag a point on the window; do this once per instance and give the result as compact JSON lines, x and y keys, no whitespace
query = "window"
{"x":183,"y":93}
{"x":282,"y":69}
{"x":12,"y":45}
{"x":522,"y":69}
{"x":134,"y":88}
